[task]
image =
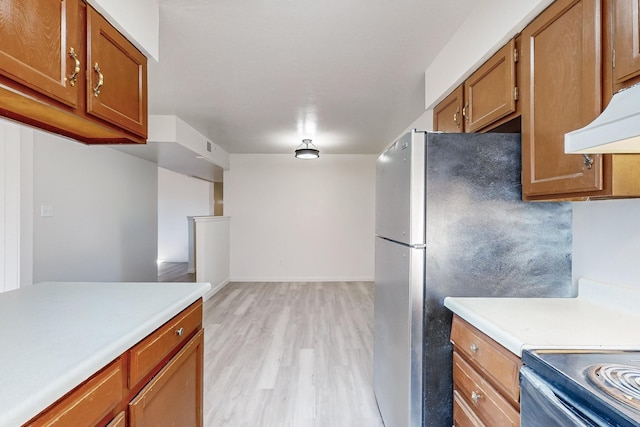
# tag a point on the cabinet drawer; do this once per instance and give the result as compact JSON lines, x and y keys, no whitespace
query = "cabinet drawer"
{"x":463,"y":415}
{"x":118,"y":421}
{"x":174,"y":396}
{"x":495,"y":362}
{"x":89,"y":403}
{"x":486,"y":402}
{"x":149,"y":352}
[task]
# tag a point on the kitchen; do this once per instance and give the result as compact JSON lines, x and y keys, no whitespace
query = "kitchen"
{"x":604,"y":236}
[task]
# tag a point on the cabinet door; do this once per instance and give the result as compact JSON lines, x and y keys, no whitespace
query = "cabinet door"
{"x":40,"y":46}
{"x":490,"y":91}
{"x":174,"y":396}
{"x":626,"y":39}
{"x":117,"y":77}
{"x":561,"y":92}
{"x":447,"y":115}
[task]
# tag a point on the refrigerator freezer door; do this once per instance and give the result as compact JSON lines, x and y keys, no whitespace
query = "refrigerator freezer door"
{"x":400,"y":190}
{"x":397,"y":352}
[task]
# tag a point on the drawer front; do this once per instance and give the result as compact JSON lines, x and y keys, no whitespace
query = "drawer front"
{"x":148,"y":353}
{"x":89,"y":403}
{"x":463,"y":415}
{"x":485,"y":401}
{"x":499,"y":365}
{"x":118,"y":421}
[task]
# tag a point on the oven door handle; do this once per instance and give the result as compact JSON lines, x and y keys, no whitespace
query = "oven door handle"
{"x":540,"y":405}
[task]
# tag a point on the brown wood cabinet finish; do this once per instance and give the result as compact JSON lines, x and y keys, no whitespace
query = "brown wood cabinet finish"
{"x":485,"y":379}
{"x":174,"y":396}
{"x":148,"y":353}
{"x":117,"y":77}
{"x":499,"y":365}
{"x":463,"y":415}
{"x":168,"y":383}
{"x":119,"y":421}
{"x":560,"y":92}
{"x":89,"y":403}
{"x":487,"y":404}
{"x":45,"y":78}
{"x":626,"y":41}
{"x":490,"y":92}
{"x":41,"y":47}
{"x":447,"y":115}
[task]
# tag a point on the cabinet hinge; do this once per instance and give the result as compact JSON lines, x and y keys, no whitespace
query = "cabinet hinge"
{"x":515,"y":93}
{"x":516,"y":56}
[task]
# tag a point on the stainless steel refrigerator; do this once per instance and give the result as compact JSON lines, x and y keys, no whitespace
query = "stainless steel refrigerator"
{"x":450,"y":222}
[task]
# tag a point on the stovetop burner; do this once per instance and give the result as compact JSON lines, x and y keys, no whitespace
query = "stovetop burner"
{"x":621,"y":382}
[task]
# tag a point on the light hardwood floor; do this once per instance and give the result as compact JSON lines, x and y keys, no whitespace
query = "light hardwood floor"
{"x":175,"y":272}
{"x":290,"y":355}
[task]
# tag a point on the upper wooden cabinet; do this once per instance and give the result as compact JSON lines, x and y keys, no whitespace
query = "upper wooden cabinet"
{"x":491,"y":92}
{"x":117,"y":77}
{"x":41,"y":47}
{"x":562,"y":90}
{"x":626,"y":41}
{"x":561,"y":61}
{"x":447,"y":115}
{"x":48,"y":75}
{"x":487,"y":99}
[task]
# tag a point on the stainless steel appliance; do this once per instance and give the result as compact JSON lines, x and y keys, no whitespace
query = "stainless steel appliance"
{"x":450,"y":222}
{"x":562,"y":388}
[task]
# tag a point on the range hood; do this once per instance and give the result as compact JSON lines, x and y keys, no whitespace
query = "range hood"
{"x":616,"y":130}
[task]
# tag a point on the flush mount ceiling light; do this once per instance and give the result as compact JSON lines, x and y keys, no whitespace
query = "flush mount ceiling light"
{"x":307,"y":150}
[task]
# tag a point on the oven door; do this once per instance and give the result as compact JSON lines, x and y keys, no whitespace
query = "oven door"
{"x":541,"y":404}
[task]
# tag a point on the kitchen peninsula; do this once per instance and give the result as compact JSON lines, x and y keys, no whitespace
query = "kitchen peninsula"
{"x":58,"y":336}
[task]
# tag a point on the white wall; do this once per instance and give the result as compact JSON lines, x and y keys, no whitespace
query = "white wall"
{"x":606,"y":241}
{"x":179,"y":196}
{"x":212,"y":252}
{"x":138,"y":20}
{"x":301,"y":220}
{"x":104,"y":224}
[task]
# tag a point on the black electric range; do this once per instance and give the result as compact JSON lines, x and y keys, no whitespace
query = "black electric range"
{"x":587,"y":388}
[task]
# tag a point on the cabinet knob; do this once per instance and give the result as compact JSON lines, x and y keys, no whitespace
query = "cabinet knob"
{"x":475,"y":396}
{"x":96,"y":90}
{"x":474,"y":348}
{"x":179,"y":332}
{"x":73,"y":77}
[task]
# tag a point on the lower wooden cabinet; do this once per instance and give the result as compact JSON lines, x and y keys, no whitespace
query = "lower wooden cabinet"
{"x":485,"y":379}
{"x":89,"y":403}
{"x":174,"y":396}
{"x":158,"y":382}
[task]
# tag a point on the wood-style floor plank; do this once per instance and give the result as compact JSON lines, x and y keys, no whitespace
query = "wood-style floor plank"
{"x":290,"y":355}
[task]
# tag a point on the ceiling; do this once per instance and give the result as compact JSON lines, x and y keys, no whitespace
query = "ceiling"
{"x":258,"y":76}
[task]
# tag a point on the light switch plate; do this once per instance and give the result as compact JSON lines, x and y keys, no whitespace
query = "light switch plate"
{"x":46,"y":210}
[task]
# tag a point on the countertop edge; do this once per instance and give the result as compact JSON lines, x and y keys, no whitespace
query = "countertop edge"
{"x":508,"y":341}
{"x":54,"y":391}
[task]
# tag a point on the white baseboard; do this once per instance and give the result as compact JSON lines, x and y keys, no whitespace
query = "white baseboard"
{"x":215,"y":289}
{"x":302,"y":279}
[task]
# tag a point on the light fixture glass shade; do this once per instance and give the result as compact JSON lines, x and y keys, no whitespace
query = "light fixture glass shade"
{"x":307,"y":150}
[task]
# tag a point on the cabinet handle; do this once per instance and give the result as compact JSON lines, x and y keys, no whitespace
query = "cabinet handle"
{"x":588,"y":161}
{"x":474,"y":348}
{"x":475,"y":396}
{"x":464,"y":113}
{"x":96,"y":90}
{"x":455,"y":117}
{"x":179,"y":332}
{"x":73,"y":77}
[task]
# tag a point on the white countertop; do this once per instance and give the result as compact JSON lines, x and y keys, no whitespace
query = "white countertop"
{"x":601,"y":316}
{"x":56,"y":335}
